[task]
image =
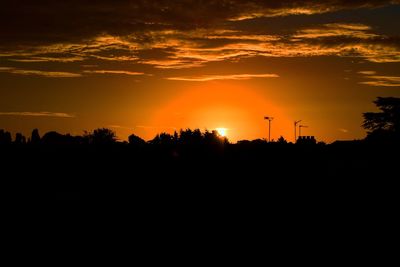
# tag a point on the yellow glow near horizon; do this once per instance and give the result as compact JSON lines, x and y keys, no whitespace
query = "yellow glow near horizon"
{"x":222,"y":131}
{"x":237,"y":108}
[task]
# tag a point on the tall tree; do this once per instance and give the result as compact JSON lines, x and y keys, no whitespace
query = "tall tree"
{"x":386,"y":123}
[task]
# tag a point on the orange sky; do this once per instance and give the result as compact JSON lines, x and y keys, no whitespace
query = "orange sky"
{"x":239,"y":108}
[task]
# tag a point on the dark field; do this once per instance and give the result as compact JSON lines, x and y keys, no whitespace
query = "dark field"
{"x":232,"y":173}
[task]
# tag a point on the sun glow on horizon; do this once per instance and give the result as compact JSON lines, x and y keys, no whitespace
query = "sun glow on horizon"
{"x":220,"y":106}
{"x":222,"y":131}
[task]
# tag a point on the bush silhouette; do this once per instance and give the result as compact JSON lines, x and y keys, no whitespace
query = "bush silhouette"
{"x":53,"y":138}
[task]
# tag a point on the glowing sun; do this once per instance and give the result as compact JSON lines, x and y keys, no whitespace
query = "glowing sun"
{"x":222,"y":131}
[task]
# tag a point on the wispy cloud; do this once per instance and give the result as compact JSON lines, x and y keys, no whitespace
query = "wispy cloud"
{"x":379,"y":80}
{"x":359,"y":31}
{"x":38,"y":114}
{"x":367,"y":72}
{"x":385,"y":81}
{"x":282,"y":11}
{"x":256,"y":9}
{"x":47,"y":59}
{"x":155,"y":127}
{"x":206,"y":78}
{"x":184,"y":63}
{"x":121,"y":127}
{"x":101,"y":47}
{"x":49,"y":74}
{"x":124,"y":72}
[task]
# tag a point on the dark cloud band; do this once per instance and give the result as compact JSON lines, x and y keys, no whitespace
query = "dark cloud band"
{"x":43,"y":21}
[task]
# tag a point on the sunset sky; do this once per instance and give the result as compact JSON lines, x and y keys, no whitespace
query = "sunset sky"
{"x":146,"y":67}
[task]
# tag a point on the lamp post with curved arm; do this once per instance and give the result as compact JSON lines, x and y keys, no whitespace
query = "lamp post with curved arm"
{"x":295,"y":129}
{"x":269,"y":127}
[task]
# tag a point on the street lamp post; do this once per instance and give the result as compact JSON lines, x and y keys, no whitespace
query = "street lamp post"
{"x":295,"y":129}
{"x":269,"y":127}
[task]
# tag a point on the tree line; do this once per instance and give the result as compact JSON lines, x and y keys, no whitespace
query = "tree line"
{"x":105,"y":136}
{"x":382,"y":126}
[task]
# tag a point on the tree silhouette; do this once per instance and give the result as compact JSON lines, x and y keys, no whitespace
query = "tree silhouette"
{"x":282,"y":140}
{"x":5,"y":137}
{"x":101,"y":136}
{"x":190,"y":137}
{"x":136,"y":140}
{"x":35,"y":137}
{"x":176,"y":137}
{"x":214,"y":138}
{"x":384,"y":124}
{"x":163,"y":139}
{"x":54,"y":138}
{"x":19,"y":139}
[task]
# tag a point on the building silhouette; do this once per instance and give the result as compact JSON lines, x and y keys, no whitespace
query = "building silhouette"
{"x":306,"y":140}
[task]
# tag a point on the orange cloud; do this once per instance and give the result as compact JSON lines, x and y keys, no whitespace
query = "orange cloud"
{"x":50,"y":74}
{"x":197,"y":47}
{"x":206,"y":78}
{"x":336,"y":29}
{"x":113,"y":72}
{"x":367,"y":72}
{"x":38,"y":114}
{"x":384,"y":81}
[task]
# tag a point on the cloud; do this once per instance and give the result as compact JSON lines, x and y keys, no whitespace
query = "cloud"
{"x":379,"y":80}
{"x":367,"y":72}
{"x":168,"y":34}
{"x":346,"y":40}
{"x":146,"y":127}
{"x":359,"y":31}
{"x":38,"y":114}
{"x":101,"y":47}
{"x":177,"y":49}
{"x":384,"y":81}
{"x":206,"y":78}
{"x":48,"y":59}
{"x":58,"y":74}
{"x":124,"y":72}
{"x":174,"y":63}
{"x":121,"y":127}
{"x":256,"y":9}
{"x":50,"y":74}
{"x":49,"y":21}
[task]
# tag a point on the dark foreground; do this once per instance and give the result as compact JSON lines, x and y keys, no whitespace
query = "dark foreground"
{"x":228,"y":176}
